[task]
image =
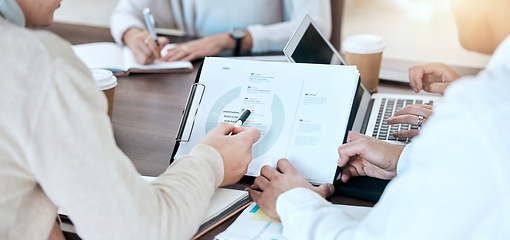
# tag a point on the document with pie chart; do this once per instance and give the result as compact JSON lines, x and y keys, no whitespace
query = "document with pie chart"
{"x":301,"y":110}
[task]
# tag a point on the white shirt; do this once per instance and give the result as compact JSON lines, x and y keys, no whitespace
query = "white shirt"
{"x":270,"y":22}
{"x":57,"y":150}
{"x":456,"y":184}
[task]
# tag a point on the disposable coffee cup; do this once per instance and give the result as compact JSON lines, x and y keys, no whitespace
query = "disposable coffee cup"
{"x":106,"y":82}
{"x":365,"y":51}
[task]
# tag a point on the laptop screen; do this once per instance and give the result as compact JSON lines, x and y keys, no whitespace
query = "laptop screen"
{"x":313,"y":49}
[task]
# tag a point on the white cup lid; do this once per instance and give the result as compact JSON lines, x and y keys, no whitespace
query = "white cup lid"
{"x":363,"y":44}
{"x":104,"y":78}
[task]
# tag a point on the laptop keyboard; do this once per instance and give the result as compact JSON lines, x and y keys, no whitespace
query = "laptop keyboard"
{"x":382,"y":130}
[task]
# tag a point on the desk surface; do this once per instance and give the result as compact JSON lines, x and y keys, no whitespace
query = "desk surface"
{"x":147,"y":110}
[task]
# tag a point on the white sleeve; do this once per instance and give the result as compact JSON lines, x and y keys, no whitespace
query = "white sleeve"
{"x":403,"y":160}
{"x":307,"y":215}
{"x":274,"y":37}
{"x":454,"y":187}
{"x":128,"y":14}
{"x":76,"y":161}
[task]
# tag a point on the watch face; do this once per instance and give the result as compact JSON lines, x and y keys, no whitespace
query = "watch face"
{"x":237,"y":33}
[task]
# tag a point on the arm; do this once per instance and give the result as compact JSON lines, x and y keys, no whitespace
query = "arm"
{"x":274,"y":37}
{"x":258,"y":38}
{"x":81,"y":169}
{"x":128,"y":27}
{"x":128,"y":14}
{"x":443,"y":193}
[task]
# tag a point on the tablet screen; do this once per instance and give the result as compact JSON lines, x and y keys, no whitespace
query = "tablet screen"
{"x":314,"y":49}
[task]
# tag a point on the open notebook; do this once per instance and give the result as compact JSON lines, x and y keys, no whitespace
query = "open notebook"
{"x":120,"y":59}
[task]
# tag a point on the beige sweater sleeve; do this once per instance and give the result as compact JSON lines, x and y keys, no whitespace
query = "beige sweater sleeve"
{"x":76,"y":161}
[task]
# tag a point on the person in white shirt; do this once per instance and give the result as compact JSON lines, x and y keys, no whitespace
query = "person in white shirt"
{"x":452,"y":183}
{"x":57,"y":148}
{"x":260,"y":25}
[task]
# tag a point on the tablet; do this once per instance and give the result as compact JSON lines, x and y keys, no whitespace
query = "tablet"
{"x":308,"y":45}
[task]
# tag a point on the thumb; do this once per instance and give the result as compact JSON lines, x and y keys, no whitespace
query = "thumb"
{"x":353,"y":136}
{"x":325,"y":190}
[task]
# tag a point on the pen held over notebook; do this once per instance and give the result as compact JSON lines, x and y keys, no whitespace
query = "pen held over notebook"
{"x":149,"y":21}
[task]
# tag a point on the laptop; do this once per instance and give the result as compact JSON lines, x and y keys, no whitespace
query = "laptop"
{"x":369,"y":111}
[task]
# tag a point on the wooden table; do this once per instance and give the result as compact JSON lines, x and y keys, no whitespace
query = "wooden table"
{"x":147,"y":111}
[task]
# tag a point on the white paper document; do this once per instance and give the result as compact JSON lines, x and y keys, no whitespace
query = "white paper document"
{"x":301,"y":110}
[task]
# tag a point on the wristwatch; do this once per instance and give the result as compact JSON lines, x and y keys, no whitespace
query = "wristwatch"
{"x":238,"y":35}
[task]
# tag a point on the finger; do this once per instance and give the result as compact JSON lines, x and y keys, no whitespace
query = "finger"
{"x":223,"y":128}
{"x":348,"y":150}
{"x":254,"y":195}
{"x":353,"y":136}
{"x":251,"y":133}
{"x":285,"y":166}
{"x":436,"y":87}
{"x":190,"y":57}
{"x":268,"y":172}
{"x":325,"y":190}
{"x":260,"y":183}
{"x":163,"y":41}
{"x":404,"y":119}
{"x":416,"y":109}
{"x":154,"y":49}
{"x":415,"y":77}
{"x":406,"y":133}
{"x":178,"y":53}
{"x":349,"y":172}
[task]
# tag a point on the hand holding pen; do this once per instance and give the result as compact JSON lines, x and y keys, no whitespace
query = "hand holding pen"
{"x":234,"y":145}
{"x":145,"y":44}
{"x":240,"y":121}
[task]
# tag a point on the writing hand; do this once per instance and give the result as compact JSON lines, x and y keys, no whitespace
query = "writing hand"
{"x":142,"y":45}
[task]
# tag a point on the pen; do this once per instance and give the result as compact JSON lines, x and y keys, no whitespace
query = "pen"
{"x":149,"y":21}
{"x":242,"y":118}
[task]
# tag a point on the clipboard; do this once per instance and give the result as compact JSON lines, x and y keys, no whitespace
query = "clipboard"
{"x":186,"y":113}
{"x":296,"y":92}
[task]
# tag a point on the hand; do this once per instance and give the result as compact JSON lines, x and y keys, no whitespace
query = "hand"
{"x":410,"y":115}
{"x":273,"y":182}
{"x":235,"y":149}
{"x":142,"y":45}
{"x":431,"y":77}
{"x":200,"y":48}
{"x":366,"y":156}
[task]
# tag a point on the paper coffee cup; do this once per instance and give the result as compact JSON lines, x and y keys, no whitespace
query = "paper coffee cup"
{"x":365,"y":51}
{"x":106,"y":82}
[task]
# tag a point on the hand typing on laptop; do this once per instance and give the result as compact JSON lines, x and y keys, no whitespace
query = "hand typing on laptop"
{"x":430,"y":77}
